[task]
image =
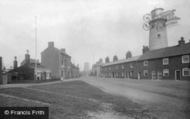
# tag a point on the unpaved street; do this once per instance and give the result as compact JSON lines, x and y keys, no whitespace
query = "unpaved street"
{"x":165,"y":99}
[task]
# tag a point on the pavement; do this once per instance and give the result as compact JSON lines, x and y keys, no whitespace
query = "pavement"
{"x":160,"y":105}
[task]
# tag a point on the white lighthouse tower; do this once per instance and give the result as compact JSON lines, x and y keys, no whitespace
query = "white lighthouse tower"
{"x":157,"y":22}
{"x":158,"y":32}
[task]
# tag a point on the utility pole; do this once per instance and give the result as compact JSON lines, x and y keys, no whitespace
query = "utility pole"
{"x":35,"y":69}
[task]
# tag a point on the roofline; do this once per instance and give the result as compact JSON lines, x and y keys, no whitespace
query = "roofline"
{"x":164,"y":57}
{"x":116,"y":62}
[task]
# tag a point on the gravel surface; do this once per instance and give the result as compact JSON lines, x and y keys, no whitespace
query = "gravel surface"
{"x":163,"y":101}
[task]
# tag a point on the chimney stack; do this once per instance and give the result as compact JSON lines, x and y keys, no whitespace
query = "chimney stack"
{"x":63,"y":50}
{"x":115,"y":58}
{"x":107,"y":60}
{"x":51,"y":44}
{"x":181,"y":42}
{"x":27,"y":58}
{"x":128,"y":55}
{"x":15,"y":63}
{"x":145,"y":49}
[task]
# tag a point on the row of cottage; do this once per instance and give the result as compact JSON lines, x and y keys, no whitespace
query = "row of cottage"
{"x":165,"y":63}
{"x":55,"y":64}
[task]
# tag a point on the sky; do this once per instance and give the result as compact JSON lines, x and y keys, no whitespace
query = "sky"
{"x":87,"y":29}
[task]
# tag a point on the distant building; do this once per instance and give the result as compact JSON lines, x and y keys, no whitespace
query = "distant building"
{"x":96,"y":68}
{"x":86,"y":66}
{"x":58,"y":61}
{"x":27,"y":71}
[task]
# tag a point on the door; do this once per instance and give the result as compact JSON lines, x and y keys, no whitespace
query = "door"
{"x":153,"y":75}
{"x":177,"y":75}
{"x":126,"y":76}
{"x":113,"y":74}
{"x":159,"y":73}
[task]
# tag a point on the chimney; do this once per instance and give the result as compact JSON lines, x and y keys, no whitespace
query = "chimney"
{"x":51,"y":44}
{"x":63,"y":50}
{"x":27,"y":58}
{"x":107,"y":60}
{"x":15,"y":63}
{"x":145,"y":49}
{"x":100,"y":60}
{"x":181,"y":42}
{"x":115,"y":58}
{"x":128,"y":55}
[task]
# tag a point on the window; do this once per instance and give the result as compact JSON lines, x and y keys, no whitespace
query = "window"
{"x":153,"y":73}
{"x":122,"y":66}
{"x":159,"y":36}
{"x":116,"y":75}
{"x":165,"y":72}
{"x":116,"y":66}
{"x":165,"y":61}
{"x":145,"y":63}
{"x":186,"y":72}
{"x":185,"y":59}
{"x":145,"y":72}
{"x":131,"y":65}
{"x":122,"y":74}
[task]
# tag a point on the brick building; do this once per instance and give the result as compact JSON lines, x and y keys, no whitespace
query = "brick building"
{"x":58,"y":61}
{"x":171,"y":63}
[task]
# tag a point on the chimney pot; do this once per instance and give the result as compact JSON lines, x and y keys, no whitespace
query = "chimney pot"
{"x":181,"y":42}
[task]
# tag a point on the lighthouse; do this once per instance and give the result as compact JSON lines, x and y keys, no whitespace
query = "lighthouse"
{"x":158,"y":32}
{"x":157,"y":22}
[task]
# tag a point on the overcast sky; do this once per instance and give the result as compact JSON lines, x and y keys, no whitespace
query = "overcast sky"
{"x":87,"y":29}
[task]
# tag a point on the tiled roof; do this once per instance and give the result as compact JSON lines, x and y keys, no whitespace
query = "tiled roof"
{"x":31,"y":61}
{"x":122,"y":61}
{"x":167,"y":52}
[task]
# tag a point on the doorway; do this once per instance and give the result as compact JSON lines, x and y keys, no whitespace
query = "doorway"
{"x":113,"y":75}
{"x":177,"y":75}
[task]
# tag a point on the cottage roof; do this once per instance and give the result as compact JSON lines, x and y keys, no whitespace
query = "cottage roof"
{"x":166,"y":52}
{"x":135,"y":58}
{"x":31,"y":61}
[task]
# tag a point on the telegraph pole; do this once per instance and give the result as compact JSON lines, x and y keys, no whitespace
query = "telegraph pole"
{"x":35,"y":69}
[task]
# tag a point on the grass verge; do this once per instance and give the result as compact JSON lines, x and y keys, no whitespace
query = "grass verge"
{"x":71,"y":100}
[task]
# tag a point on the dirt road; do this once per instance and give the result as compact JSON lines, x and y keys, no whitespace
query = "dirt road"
{"x":165,"y":99}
